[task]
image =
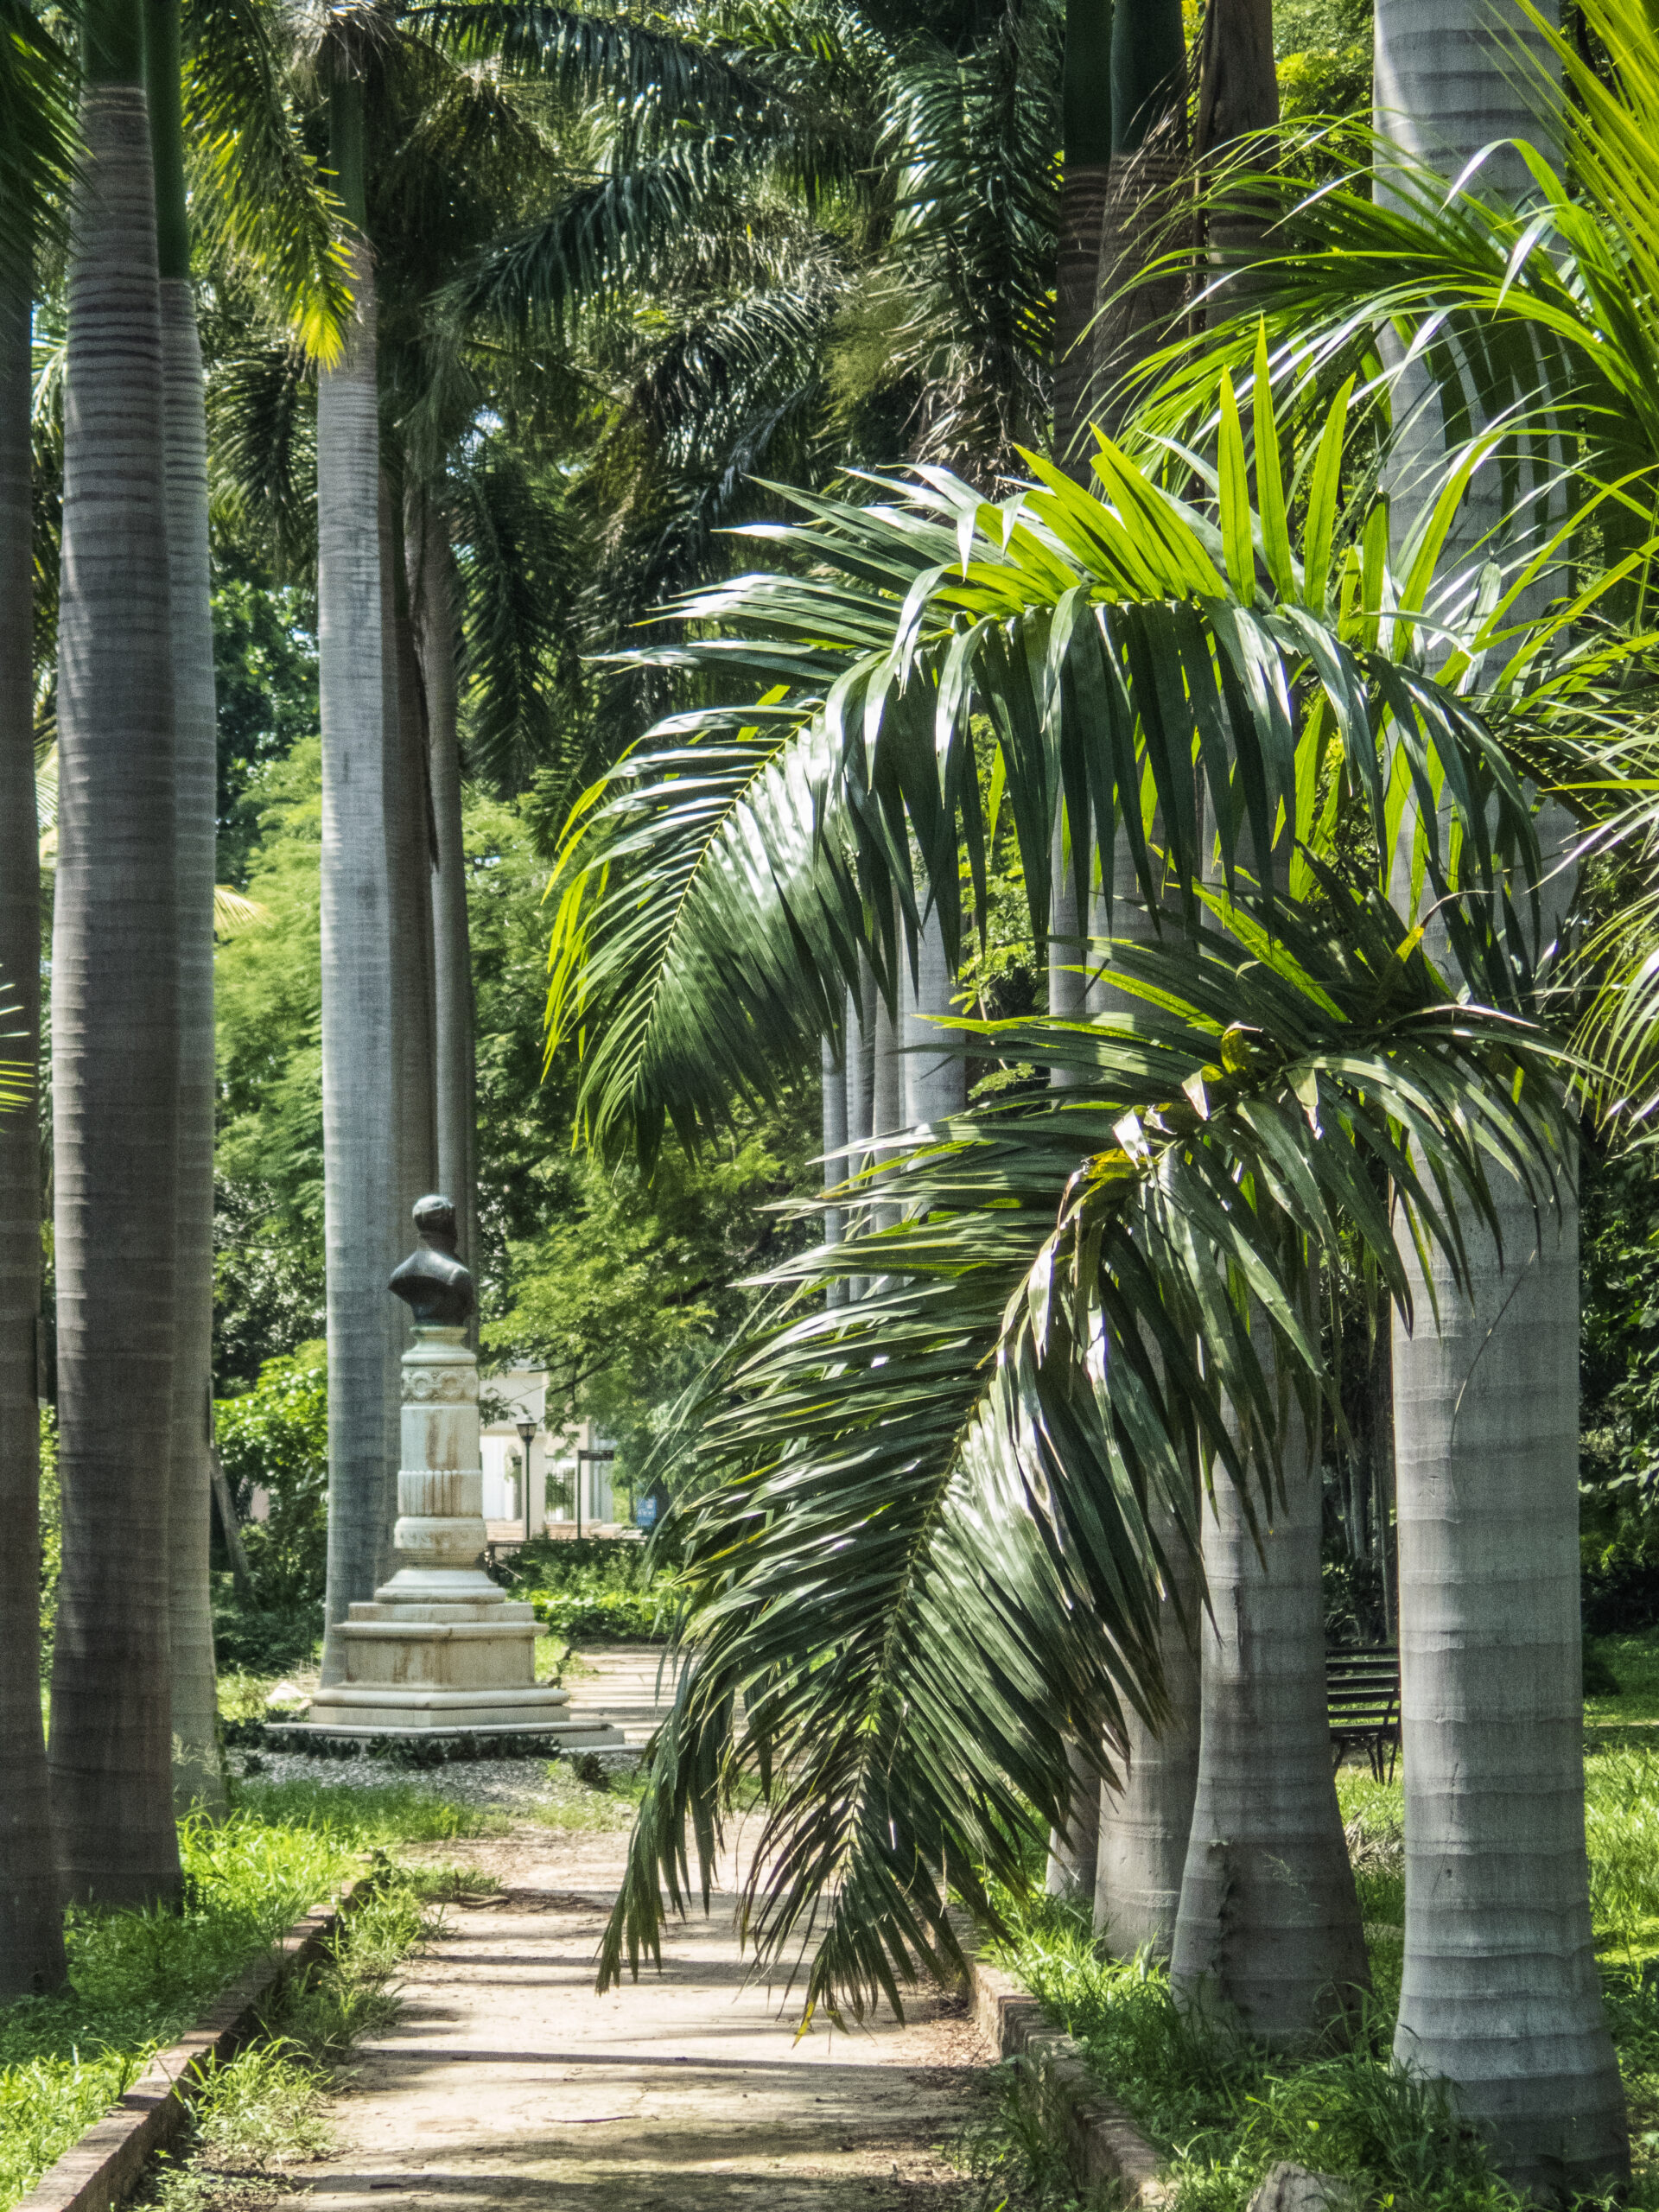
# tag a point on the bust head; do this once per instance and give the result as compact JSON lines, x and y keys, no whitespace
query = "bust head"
{"x":435,"y":1218}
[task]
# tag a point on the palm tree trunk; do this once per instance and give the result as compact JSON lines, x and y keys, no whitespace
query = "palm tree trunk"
{"x":31,"y":1924}
{"x":1138,"y":224}
{"x":115,"y":1013}
{"x":888,"y":1101}
{"x":1145,"y":1826}
{"x":1268,"y":1932}
{"x":1500,"y":1994}
{"x":198,"y":1776}
{"x":935,"y":1081}
{"x":411,"y":852}
{"x":860,"y":1057}
{"x":432,"y":593}
{"x":1086,"y":126}
{"x":833,"y":1108}
{"x":358,"y":1070}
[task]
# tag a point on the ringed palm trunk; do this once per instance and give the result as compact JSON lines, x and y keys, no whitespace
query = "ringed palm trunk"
{"x":31,"y":1923}
{"x":935,"y":1081}
{"x":358,"y":1071}
{"x":198,"y":1774}
{"x":432,"y":582}
{"x":1148,"y":137}
{"x":410,"y":844}
{"x":860,"y":1062}
{"x":1500,"y":1994}
{"x":1268,"y":1934}
{"x":114,"y":1010}
{"x":832,"y":1089}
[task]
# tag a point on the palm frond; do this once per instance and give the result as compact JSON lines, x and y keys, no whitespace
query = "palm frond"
{"x":1133,"y":653}
{"x":38,"y":139}
{"x":515,"y":567}
{"x":258,"y":191}
{"x":949,"y":1569}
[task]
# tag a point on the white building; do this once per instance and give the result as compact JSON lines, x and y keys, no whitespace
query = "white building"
{"x":561,"y":1463}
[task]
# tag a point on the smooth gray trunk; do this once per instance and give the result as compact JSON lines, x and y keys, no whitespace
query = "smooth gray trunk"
{"x":832,"y":1090}
{"x":115,"y":1014}
{"x":887,"y":1101}
{"x":935,"y":1081}
{"x":412,"y":855}
{"x":1268,"y":1934}
{"x":198,"y":1777}
{"x":860,"y":1069}
{"x":31,"y":1923}
{"x":1500,"y":1994}
{"x":357,"y":1066}
{"x":1082,"y":213}
{"x":432,"y":585}
{"x":1144,"y":1827}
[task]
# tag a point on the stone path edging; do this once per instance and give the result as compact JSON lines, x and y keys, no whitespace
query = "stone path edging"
{"x":1103,"y":2144}
{"x":101,"y":2167}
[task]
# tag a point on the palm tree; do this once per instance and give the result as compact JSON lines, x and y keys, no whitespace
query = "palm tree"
{"x":198,"y":1777}
{"x":35,"y":130}
{"x":115,"y":1015}
{"x":926,"y":1556}
{"x":360,"y":1065}
{"x":687,"y":987}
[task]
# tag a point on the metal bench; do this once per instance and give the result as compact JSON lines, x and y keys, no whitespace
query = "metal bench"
{"x":1362,"y":1695}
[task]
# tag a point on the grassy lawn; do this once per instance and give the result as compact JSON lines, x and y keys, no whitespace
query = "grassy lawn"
{"x":1222,"y":2114}
{"x":139,"y":1979}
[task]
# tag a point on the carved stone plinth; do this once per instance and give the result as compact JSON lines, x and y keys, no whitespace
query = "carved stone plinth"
{"x":441,"y":1648}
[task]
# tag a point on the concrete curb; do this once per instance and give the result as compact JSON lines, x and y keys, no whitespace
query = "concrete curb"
{"x":1104,"y":2148}
{"x":100,"y":2169}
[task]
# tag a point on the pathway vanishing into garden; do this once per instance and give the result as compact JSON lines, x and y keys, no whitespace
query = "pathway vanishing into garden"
{"x":507,"y":2084}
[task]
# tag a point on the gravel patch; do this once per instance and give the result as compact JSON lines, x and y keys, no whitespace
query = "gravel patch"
{"x":505,"y":1785}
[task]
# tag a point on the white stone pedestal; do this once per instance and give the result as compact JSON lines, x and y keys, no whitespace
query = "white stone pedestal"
{"x":441,"y":1648}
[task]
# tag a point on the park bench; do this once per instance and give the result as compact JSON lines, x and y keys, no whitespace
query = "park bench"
{"x":1361,"y":1695}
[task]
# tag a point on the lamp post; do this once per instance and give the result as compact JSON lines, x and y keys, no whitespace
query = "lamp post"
{"x":526,"y":1433}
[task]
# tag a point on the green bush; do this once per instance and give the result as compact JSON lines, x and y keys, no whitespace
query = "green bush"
{"x":592,"y":1588}
{"x":275,"y":1438}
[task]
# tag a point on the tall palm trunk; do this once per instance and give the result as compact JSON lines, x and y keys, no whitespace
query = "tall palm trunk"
{"x":31,"y":1925}
{"x":860,"y":1061}
{"x":1268,"y":1931}
{"x":115,"y":1018}
{"x":432,"y":582}
{"x":1500,"y":1994}
{"x":1086,"y":125}
{"x":410,"y":844}
{"x":198,"y":1777}
{"x":934,"y":1078}
{"x":1144,"y":1826}
{"x":832,"y":1089}
{"x":1148,"y":154}
{"x":358,"y":1070}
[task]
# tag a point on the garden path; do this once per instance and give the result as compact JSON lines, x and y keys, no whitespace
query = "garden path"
{"x":506,"y":2082}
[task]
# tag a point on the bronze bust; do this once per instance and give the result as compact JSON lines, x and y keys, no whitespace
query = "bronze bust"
{"x":432,"y":1281}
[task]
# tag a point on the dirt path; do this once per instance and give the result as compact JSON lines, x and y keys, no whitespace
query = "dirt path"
{"x":506,"y":2082}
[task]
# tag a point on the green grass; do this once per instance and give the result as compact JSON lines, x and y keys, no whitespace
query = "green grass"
{"x":138,"y":1980}
{"x":1222,"y":2113}
{"x":1635,"y":1661}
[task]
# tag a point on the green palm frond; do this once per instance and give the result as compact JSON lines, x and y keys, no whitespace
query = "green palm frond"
{"x":1543,"y":315}
{"x":262,"y":446}
{"x":1133,"y":654}
{"x":515,"y":564}
{"x":38,"y":139}
{"x":259,"y":193}
{"x":601,"y":239}
{"x":618,"y":54}
{"x":949,"y":1568}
